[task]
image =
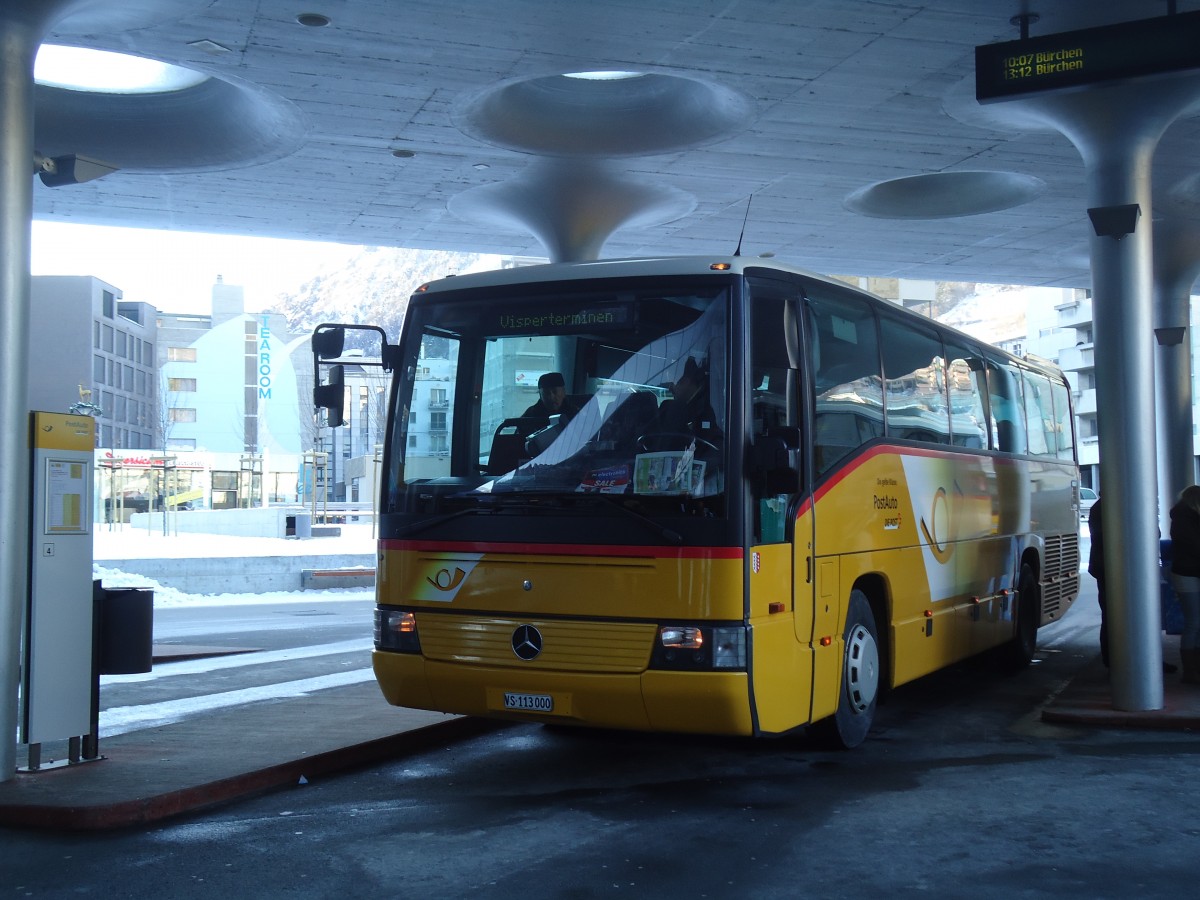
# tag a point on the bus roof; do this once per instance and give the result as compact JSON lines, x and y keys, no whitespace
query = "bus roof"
{"x":614,"y":268}
{"x":715,"y":266}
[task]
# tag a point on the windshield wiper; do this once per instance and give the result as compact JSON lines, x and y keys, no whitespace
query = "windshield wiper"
{"x":536,"y":502}
{"x":488,"y":504}
{"x":426,"y":524}
{"x":613,"y":501}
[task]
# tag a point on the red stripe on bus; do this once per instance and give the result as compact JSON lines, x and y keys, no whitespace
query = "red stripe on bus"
{"x":565,"y":549}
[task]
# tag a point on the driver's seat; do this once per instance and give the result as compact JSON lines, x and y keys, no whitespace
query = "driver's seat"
{"x":508,"y":446}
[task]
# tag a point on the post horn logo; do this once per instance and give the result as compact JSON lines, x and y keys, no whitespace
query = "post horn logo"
{"x":444,"y":581}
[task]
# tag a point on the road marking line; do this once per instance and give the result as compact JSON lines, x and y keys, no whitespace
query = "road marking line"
{"x":124,"y":719}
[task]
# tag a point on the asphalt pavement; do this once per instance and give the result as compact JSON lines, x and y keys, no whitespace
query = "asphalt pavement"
{"x":146,"y":775}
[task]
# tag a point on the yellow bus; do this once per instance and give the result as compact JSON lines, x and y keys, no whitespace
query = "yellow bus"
{"x":751,"y":500}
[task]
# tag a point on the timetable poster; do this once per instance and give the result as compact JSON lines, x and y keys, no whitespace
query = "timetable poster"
{"x":66,"y":496}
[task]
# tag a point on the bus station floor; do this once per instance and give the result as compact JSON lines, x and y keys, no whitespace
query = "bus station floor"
{"x":200,"y":761}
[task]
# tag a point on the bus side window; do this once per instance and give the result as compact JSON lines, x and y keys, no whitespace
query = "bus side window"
{"x":1007,"y":408}
{"x":968,"y":397}
{"x":915,"y":371}
{"x":847,"y":385}
{"x":1039,"y":413}
{"x":773,"y":392}
{"x":1064,"y":429}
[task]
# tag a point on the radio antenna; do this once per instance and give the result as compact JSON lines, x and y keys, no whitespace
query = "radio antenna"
{"x":738,"y":251}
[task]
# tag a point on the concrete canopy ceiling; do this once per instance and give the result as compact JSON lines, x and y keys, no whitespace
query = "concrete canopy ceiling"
{"x":407,"y":123}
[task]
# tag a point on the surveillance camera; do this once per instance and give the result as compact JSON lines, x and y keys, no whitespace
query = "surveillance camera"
{"x":71,"y":169}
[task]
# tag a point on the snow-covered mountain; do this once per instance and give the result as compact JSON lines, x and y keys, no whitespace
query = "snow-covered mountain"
{"x":990,"y":312}
{"x":374,"y":287}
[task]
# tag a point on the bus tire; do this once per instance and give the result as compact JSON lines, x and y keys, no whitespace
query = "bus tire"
{"x":1018,"y":653}
{"x":860,"y":679}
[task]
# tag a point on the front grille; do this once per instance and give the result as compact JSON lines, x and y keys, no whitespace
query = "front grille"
{"x":567,"y":645}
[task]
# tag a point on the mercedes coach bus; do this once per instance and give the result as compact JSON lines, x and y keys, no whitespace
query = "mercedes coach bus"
{"x":704,"y":495}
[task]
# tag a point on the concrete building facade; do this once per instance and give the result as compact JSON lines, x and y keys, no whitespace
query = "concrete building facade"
{"x":116,"y":379}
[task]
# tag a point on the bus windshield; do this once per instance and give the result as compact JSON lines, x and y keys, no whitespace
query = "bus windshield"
{"x":565,"y":391}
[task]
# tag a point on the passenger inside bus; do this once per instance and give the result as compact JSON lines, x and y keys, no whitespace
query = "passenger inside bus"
{"x":689,"y":410}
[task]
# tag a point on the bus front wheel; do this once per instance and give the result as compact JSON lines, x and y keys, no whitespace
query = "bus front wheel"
{"x":860,"y":679}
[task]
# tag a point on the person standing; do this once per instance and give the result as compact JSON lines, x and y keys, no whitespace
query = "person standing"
{"x":1096,"y":570}
{"x":1185,"y":577}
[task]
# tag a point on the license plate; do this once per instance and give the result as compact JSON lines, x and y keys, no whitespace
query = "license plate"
{"x":529,"y":702}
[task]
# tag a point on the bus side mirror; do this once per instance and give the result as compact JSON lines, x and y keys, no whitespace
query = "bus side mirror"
{"x":775,"y":457}
{"x":328,"y":341}
{"x":331,"y":396}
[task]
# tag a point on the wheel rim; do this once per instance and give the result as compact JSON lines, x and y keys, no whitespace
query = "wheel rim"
{"x":862,"y":669}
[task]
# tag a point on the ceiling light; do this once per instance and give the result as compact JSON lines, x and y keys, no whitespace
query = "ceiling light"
{"x":211,"y":47}
{"x":602,"y":76}
{"x":104,"y":72}
{"x":313,"y":20}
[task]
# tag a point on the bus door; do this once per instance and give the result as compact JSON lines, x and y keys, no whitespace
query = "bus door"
{"x":780,"y":601}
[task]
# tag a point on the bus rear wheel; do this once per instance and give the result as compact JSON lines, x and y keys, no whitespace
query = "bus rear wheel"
{"x":1018,"y":653}
{"x":860,"y":679}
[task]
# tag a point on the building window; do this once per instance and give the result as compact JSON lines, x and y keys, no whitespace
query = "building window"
{"x":181,"y":414}
{"x":181,"y":384}
{"x":181,"y":354}
{"x":98,"y":369}
{"x":108,"y":302}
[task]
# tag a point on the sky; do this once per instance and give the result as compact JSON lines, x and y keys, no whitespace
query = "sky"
{"x":175,"y":270}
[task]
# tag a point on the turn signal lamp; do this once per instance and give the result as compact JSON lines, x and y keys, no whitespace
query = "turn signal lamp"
{"x":396,"y":630}
{"x":682,"y":637}
{"x":700,"y":648}
{"x":720,"y":267}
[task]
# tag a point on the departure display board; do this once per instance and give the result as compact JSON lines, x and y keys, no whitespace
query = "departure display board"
{"x":1090,"y":56}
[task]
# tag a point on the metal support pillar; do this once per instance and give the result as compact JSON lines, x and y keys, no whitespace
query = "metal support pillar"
{"x":18,"y":46}
{"x":1122,"y":311}
{"x":1116,"y":128}
{"x":22,"y":25}
{"x":1176,"y":267}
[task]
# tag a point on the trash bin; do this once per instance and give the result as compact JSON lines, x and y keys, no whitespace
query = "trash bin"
{"x":125,"y":629}
{"x":298,"y":526}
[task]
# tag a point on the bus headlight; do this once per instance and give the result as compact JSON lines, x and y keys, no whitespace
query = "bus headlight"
{"x":396,"y":630}
{"x":699,"y":648}
{"x":729,"y":648}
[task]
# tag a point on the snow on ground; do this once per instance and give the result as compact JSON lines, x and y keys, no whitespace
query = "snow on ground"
{"x":127,"y":542}
{"x":110,"y":547}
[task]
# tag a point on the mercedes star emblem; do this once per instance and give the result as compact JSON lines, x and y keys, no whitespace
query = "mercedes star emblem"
{"x":526,"y":642}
